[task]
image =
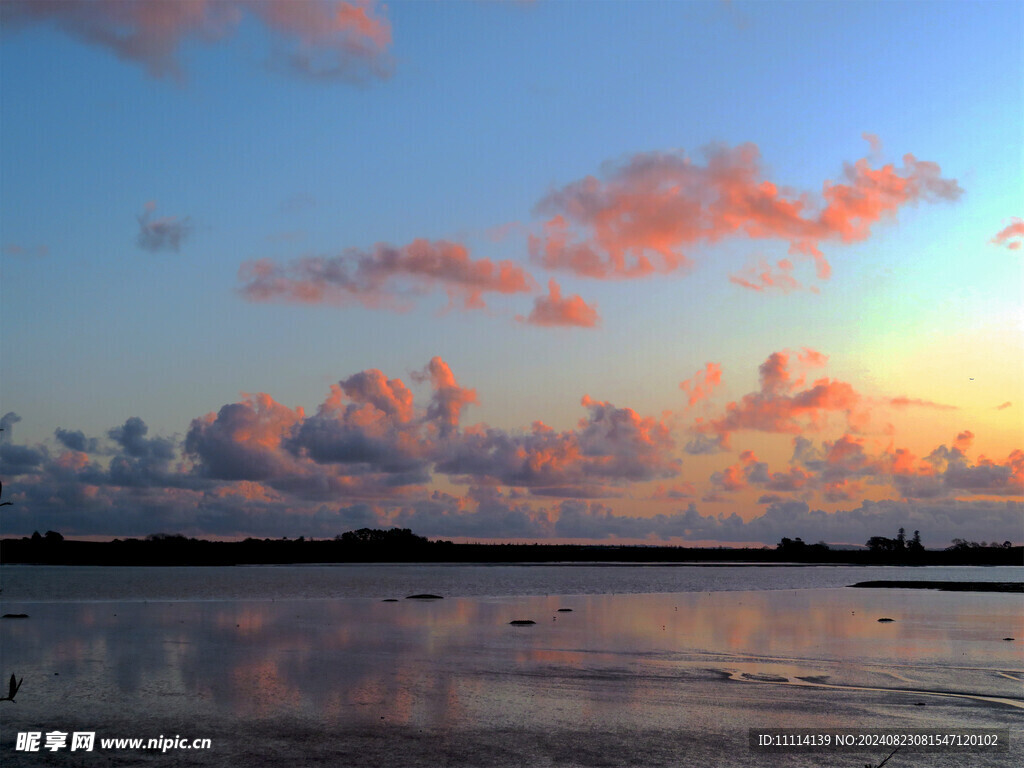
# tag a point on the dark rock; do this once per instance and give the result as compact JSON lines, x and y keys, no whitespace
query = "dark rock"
{"x":1008,"y":639}
{"x":885,"y":620}
{"x":15,"y":616}
{"x":522,"y":622}
{"x":390,"y":600}
{"x":424,"y":597}
{"x":565,"y":610}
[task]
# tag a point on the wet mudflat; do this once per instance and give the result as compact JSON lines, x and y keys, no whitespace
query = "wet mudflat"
{"x":639,"y":679}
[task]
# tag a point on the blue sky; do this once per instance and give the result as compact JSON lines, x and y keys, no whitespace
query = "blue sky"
{"x":455,"y":122}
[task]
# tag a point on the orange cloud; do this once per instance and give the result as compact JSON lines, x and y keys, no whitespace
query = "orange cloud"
{"x":384,"y":277}
{"x":964,"y":440}
{"x":703,"y":382}
{"x":643,"y":213}
{"x":314,"y":38}
{"x":1004,"y":406}
{"x":552,"y":310}
{"x":780,"y":406}
{"x":1012,"y":235}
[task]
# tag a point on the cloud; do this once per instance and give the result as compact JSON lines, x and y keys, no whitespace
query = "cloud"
{"x":163,"y":234}
{"x":643,"y":212}
{"x":131,"y":436}
{"x":1004,"y":406}
{"x":610,"y":447}
{"x":904,"y":402}
{"x":840,"y":464}
{"x":13,"y":249}
{"x":701,"y":444}
{"x":780,"y":406}
{"x":76,"y":440}
{"x":242,"y":440}
{"x":321,"y":39}
{"x":21,"y":459}
{"x":7,"y":422}
{"x":766,"y":277}
{"x":384,"y":277}
{"x":702,"y":383}
{"x":366,"y":440}
{"x":1010,"y":236}
{"x":749,"y":471}
{"x":449,"y":398}
{"x":593,"y":520}
{"x":483,"y":513}
{"x":874,"y":142}
{"x":552,"y":310}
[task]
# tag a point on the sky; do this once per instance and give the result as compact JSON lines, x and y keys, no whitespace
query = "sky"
{"x":663,"y":272}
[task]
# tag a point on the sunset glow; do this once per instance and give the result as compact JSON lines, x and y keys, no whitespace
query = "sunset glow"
{"x":586,"y":272}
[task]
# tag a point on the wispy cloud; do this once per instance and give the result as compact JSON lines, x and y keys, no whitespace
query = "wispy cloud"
{"x":1011,"y":236}
{"x":161,"y":234}
{"x":385,"y":276}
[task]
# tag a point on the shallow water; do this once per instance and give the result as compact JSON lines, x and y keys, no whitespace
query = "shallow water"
{"x":623,"y":679}
{"x":284,"y":582}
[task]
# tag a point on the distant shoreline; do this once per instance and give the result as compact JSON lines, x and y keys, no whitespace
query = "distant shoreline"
{"x":180,"y":551}
{"x":947,"y":586}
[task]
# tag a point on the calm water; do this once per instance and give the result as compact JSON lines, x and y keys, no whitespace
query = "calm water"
{"x":652,"y":666}
{"x":69,"y":583}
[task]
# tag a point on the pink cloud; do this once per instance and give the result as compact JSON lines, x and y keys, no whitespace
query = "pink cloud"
{"x":553,"y":310}
{"x":1004,"y":406}
{"x":384,"y":277}
{"x":640,"y":216}
{"x":449,"y":398}
{"x":873,"y":141}
{"x":702,"y":383}
{"x":1011,"y":236}
{"x":314,"y":38}
{"x":840,"y":464}
{"x":766,"y":277}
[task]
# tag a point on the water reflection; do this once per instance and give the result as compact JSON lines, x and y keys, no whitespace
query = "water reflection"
{"x":616,"y":659}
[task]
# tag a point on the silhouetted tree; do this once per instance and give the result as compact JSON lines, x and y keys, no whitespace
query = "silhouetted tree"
{"x":915,"y":544}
